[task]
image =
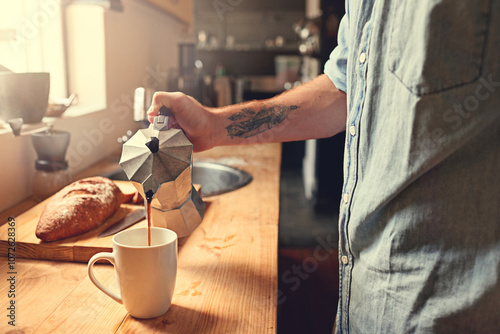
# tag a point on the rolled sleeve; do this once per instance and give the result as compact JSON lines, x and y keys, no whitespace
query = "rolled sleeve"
{"x":336,"y":66}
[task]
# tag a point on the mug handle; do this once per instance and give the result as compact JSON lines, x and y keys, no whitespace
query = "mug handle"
{"x":103,"y":256}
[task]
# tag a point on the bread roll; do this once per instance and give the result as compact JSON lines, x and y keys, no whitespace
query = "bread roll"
{"x":78,"y":208}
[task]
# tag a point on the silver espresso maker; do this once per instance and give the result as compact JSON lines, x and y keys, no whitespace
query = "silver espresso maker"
{"x":159,"y":162}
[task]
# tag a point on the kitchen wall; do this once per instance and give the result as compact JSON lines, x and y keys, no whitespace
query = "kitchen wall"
{"x":140,"y":47}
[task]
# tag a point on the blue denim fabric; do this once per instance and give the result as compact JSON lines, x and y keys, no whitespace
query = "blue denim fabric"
{"x":419,"y":219}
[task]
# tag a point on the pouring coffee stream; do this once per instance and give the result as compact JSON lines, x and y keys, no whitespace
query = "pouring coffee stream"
{"x":158,"y":161}
{"x":149,"y":198}
{"x":154,"y":147}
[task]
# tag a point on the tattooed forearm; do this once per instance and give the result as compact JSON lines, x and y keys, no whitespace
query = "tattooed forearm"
{"x":248,"y":122}
{"x":242,"y":114}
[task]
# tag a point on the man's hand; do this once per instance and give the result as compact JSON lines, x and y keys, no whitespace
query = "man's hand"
{"x":188,"y":115}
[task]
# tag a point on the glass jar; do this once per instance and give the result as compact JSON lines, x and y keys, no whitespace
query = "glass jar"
{"x":49,"y":178}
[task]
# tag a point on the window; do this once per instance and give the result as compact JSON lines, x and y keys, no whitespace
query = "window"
{"x":31,"y":40}
{"x":35,"y":38}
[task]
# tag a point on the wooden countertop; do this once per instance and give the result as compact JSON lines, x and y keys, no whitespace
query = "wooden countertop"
{"x":227,"y":268}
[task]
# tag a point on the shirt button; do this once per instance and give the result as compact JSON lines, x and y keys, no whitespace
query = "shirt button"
{"x":352,"y":130}
{"x":346,"y":198}
{"x":344,"y":259}
{"x":362,"y":58}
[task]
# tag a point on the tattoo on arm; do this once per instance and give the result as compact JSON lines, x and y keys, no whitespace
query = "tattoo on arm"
{"x":248,"y":122}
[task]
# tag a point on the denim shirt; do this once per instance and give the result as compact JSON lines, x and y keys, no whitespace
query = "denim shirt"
{"x":419,"y":221}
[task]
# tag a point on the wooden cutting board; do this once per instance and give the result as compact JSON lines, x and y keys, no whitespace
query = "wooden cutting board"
{"x":76,"y":249}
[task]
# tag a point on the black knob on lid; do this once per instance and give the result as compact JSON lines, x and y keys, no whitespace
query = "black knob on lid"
{"x":153,"y":145}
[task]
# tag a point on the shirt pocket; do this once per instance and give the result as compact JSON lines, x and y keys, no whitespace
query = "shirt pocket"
{"x":436,"y":45}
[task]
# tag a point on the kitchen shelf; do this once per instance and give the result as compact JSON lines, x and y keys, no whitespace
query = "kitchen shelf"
{"x":287,"y":48}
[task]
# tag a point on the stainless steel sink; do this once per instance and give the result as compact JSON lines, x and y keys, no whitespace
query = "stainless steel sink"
{"x":214,"y":178}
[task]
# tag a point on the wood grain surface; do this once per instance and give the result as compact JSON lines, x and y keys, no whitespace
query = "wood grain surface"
{"x":227,"y":268}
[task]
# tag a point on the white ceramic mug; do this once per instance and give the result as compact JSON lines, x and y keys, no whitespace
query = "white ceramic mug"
{"x":146,"y":274}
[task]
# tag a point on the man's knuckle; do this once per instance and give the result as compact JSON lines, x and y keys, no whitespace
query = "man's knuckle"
{"x":180,"y":100}
{"x":157,"y":97}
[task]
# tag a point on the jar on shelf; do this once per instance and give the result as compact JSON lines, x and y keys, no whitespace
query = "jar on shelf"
{"x":49,"y":178}
{"x":51,"y":167}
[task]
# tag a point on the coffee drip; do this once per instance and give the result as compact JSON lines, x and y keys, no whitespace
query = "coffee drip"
{"x":149,"y":198}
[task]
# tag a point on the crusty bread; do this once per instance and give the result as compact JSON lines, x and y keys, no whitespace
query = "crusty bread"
{"x":78,"y":208}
